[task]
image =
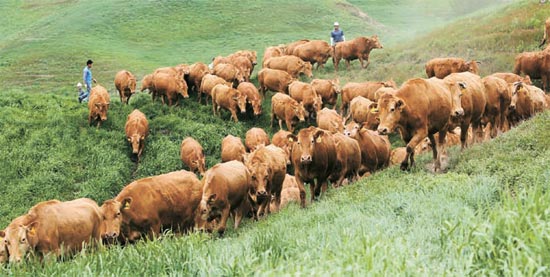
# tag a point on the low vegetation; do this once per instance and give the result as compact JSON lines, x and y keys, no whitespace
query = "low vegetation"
{"x":487,"y":215}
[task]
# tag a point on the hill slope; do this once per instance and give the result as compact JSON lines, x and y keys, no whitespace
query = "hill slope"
{"x":486,"y":216}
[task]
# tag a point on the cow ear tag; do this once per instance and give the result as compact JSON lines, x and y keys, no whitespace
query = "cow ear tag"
{"x":318,"y":140}
{"x":127,"y":205}
{"x":290,"y":139}
{"x":373,"y":110}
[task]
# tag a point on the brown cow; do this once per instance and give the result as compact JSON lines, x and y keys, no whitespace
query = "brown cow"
{"x":98,"y":105}
{"x":228,"y":98}
{"x":362,"y":110}
{"x":54,"y":227}
{"x":536,"y":65}
{"x":209,"y":81}
{"x":375,"y":148}
{"x":196,"y":73}
{"x":348,"y":154}
{"x":291,"y":64}
{"x":253,"y":99}
{"x":229,"y":73}
{"x":314,"y":158}
{"x":499,"y":97}
{"x":328,"y":90}
{"x":254,"y":138}
{"x":511,"y":78}
{"x":305,"y":93}
{"x":452,"y":138}
{"x":147,"y":83}
{"x":289,"y":193}
{"x":267,"y":167}
{"x":137,"y":129}
{"x":376,"y":95}
{"x":273,"y":51}
{"x":441,"y":67}
{"x":232,"y":149}
{"x":358,"y":48}
{"x":283,"y":107}
{"x":244,"y":65}
{"x":314,"y":51}
{"x":274,"y":80}
{"x":169,"y":87}
{"x":365,"y":89}
{"x":192,"y":155}
{"x":330,"y":120}
{"x":546,"y":32}
{"x":398,"y":154}
{"x":527,"y":100}
{"x":468,"y":103}
{"x":125,"y":84}
{"x":280,"y":139}
{"x":225,"y":192}
{"x":419,"y":108}
{"x":289,"y":49}
{"x":149,"y":205}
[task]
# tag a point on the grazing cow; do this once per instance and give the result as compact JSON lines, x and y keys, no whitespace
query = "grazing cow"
{"x":536,"y":65}
{"x":208,"y":82}
{"x":330,"y":120}
{"x":280,"y":139}
{"x":289,"y":49}
{"x":419,"y":108}
{"x":375,"y":148}
{"x":225,"y":191}
{"x":253,"y":99}
{"x":291,"y":64}
{"x":251,"y":55}
{"x":244,"y":65}
{"x":149,"y":205}
{"x":314,"y":51}
{"x":228,"y":98}
{"x":176,"y":71}
{"x":348,"y":156}
{"x":232,"y":149}
{"x":511,"y":78}
{"x":499,"y":98}
{"x":314,"y":158}
{"x":147,"y":83}
{"x":125,"y":84}
{"x":468,"y":103}
{"x":289,"y":193}
{"x":546,"y":32}
{"x":192,"y":155}
{"x":305,"y":93}
{"x":267,"y":167}
{"x":137,"y":129}
{"x":54,"y":227}
{"x":254,"y":138}
{"x":527,"y":100}
{"x":365,"y":89}
{"x":363,"y":111}
{"x":274,"y":80}
{"x":272,"y":51}
{"x":283,"y":107}
{"x":169,"y":86}
{"x":358,"y":48}
{"x":328,"y":90}
{"x":441,"y":67}
{"x":98,"y":105}
{"x":229,"y":73}
{"x":196,"y":73}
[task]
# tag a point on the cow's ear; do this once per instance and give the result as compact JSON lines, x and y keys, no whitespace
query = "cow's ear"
{"x":462,"y":85}
{"x":142,"y":137}
{"x":126,"y":202}
{"x":318,"y":136}
{"x":31,"y":228}
{"x":212,"y":198}
{"x":399,"y":104}
{"x":373,"y":108}
{"x":291,"y":138}
{"x":97,"y":105}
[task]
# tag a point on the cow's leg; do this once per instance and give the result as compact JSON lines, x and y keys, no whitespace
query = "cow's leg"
{"x":415,"y":140}
{"x":441,"y":149}
{"x":223,"y":220}
{"x":288,"y":125}
{"x":234,"y":115}
{"x":121,"y":96}
{"x":272,"y":119}
{"x":464,"y":136}
{"x":302,"y":189}
{"x":200,"y":96}
{"x":432,"y":141}
{"x":128,"y":98}
{"x":348,"y":64}
{"x":214,"y":108}
{"x":239,"y":215}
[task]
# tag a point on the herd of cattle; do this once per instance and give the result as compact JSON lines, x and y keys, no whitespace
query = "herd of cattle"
{"x":452,"y":106}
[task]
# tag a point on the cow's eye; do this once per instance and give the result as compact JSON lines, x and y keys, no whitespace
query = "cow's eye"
{"x":392,"y":110}
{"x":118,"y":214}
{"x":253,"y":177}
{"x":23,"y":240}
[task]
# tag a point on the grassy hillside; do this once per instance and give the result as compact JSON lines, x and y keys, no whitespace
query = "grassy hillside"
{"x":486,"y":216}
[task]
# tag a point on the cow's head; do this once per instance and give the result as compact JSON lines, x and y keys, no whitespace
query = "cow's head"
{"x":259,"y":174}
{"x":373,"y":119}
{"x":20,"y":240}
{"x":307,"y":69}
{"x":132,"y":84}
{"x":240,"y":98}
{"x":526,"y":80}
{"x":146,"y":82}
{"x":199,"y":162}
{"x":352,"y":129}
{"x":473,"y":66}
{"x":305,"y":143}
{"x":458,"y":89}
{"x":317,"y":102}
{"x":256,"y":106}
{"x":239,"y":75}
{"x":518,"y":91}
{"x":335,"y":83}
{"x":136,"y":140}
{"x":299,"y":111}
{"x":101,"y":110}
{"x":182,"y":88}
{"x":375,"y":42}
{"x":390,"y":108}
{"x":111,"y":218}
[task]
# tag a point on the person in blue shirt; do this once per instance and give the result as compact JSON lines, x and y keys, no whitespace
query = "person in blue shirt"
{"x":337,"y":35}
{"x":87,"y":79}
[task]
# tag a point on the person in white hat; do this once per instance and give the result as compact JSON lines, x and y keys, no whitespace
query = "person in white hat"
{"x":336,"y":35}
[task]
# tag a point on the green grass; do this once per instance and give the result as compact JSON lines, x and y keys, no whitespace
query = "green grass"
{"x":487,"y":216}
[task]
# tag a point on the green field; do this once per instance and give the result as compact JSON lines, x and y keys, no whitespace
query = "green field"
{"x":487,"y":216}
